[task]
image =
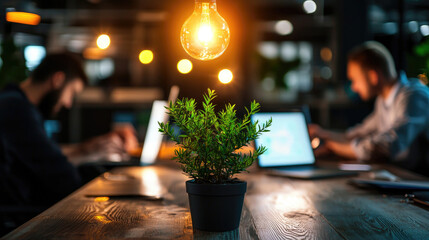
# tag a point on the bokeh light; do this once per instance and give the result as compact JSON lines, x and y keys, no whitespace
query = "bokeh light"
{"x":225,"y":76}
{"x":23,"y":18}
{"x":146,"y":56}
{"x":326,"y":54}
{"x":184,"y":66}
{"x":309,"y":6}
{"x":103,"y":41}
{"x":424,"y":29}
{"x":283,"y":27}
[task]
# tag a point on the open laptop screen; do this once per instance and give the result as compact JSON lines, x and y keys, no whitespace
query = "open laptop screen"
{"x":153,"y":139}
{"x":288,"y":141}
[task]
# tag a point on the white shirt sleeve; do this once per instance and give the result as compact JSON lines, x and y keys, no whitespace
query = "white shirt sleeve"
{"x":368,"y":125}
{"x":411,"y":118}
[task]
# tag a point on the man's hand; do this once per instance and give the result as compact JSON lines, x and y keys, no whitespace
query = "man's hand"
{"x":314,"y":130}
{"x":343,"y":149}
{"x":317,"y":131}
{"x":128,"y":135}
{"x":322,"y":151}
{"x":335,"y":142}
{"x":114,"y":146}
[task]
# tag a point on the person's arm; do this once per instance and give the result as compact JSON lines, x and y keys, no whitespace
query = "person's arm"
{"x":411,"y":118}
{"x":342,"y":144}
{"x":368,"y":126}
{"x":335,"y":142}
{"x":109,"y":147}
{"x":343,"y":149}
{"x":317,"y":131}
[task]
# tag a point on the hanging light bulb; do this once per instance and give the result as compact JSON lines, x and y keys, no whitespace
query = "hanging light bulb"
{"x":205,"y":34}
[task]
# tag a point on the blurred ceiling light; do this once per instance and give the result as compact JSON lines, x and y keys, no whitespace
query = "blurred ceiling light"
{"x":309,"y":6}
{"x":292,"y":80}
{"x":99,"y":69}
{"x":268,"y":50}
{"x":103,"y":41}
{"x":305,"y":51}
{"x":184,"y":66}
{"x":225,"y":76}
{"x":413,"y":26}
{"x":326,"y":72}
{"x":390,"y":28}
{"x":424,"y":29}
{"x":283,"y":27}
{"x":33,"y":55}
{"x":289,"y":51}
{"x":146,"y":56}
{"x":268,"y":83}
{"x":326,"y":54}
{"x":205,"y":34}
{"x":23,"y":18}
{"x":77,"y":45}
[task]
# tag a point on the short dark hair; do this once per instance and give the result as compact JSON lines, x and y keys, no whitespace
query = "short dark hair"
{"x":374,"y":56}
{"x":68,"y":63}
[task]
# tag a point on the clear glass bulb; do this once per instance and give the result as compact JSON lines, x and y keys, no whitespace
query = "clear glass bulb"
{"x":205,"y":34}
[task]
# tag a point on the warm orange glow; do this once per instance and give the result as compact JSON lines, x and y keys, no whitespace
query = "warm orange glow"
{"x":423,"y":78}
{"x":184,"y":66}
{"x":225,"y":76}
{"x":146,"y":56}
{"x":205,"y":34}
{"x":102,"y":219}
{"x":93,"y":53}
{"x":101,"y":199}
{"x":326,"y":54}
{"x":23,"y":18}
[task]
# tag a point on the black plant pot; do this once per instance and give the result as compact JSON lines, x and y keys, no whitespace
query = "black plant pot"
{"x":216,"y":207}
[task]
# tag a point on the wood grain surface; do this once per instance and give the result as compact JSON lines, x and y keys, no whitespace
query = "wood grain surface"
{"x":274,"y":208}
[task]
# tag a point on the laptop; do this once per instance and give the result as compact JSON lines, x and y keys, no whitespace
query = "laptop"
{"x":153,"y":139}
{"x":289,"y":151}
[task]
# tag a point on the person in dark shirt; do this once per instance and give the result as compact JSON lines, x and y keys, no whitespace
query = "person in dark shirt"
{"x":34,"y":171}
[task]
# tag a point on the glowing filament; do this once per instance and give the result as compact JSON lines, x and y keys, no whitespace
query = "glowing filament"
{"x":205,"y":33}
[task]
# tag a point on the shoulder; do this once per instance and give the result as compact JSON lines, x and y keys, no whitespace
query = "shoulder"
{"x":413,"y":97}
{"x":15,"y":107}
{"x":414,"y":90}
{"x":12,"y":98}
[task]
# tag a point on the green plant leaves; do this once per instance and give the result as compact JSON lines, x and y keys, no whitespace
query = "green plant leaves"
{"x":209,"y":141}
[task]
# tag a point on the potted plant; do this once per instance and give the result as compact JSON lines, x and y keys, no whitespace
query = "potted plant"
{"x":208,"y":142}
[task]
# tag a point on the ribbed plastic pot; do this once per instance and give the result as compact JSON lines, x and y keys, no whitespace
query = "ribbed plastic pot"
{"x":216,"y":207}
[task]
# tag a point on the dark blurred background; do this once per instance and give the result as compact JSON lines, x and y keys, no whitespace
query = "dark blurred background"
{"x":282,"y":53}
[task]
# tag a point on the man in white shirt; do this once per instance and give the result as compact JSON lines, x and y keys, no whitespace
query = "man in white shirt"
{"x":398,"y":128}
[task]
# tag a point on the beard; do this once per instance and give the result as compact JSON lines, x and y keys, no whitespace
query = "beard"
{"x":48,"y":102}
{"x":372,"y":90}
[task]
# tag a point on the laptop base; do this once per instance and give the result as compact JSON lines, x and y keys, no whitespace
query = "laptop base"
{"x":309,"y":173}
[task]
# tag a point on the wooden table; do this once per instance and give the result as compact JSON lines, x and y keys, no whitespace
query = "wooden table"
{"x":274,"y":208}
